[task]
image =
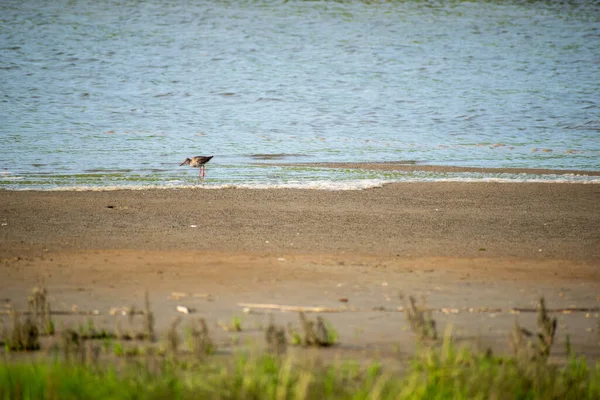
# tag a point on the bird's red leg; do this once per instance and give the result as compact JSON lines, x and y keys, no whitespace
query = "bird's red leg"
{"x":203,"y":172}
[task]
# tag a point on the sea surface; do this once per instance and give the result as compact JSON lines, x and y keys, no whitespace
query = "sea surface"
{"x":98,"y":95}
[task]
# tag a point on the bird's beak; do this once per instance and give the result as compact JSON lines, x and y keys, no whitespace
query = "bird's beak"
{"x":185,"y":162}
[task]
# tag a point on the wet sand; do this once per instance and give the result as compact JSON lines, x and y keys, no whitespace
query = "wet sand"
{"x":462,"y":245}
{"x":412,"y":166}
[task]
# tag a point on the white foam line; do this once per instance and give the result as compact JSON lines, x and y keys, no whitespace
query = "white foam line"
{"x":361,"y":184}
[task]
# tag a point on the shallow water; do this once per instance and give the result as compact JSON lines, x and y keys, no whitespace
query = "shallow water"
{"x":98,"y":95}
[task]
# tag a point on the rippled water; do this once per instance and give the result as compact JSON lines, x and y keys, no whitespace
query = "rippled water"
{"x":118,"y":93}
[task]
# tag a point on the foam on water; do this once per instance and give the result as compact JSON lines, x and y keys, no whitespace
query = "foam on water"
{"x":357,"y":184}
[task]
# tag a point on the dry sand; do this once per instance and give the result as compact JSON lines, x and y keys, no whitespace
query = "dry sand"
{"x":462,"y":245}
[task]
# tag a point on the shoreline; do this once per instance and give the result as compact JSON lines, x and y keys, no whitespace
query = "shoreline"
{"x":405,"y":168}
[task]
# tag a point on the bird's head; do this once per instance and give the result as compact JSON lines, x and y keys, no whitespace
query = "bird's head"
{"x":186,"y":162}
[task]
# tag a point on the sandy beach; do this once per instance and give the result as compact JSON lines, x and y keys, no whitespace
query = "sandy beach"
{"x":467,"y":247}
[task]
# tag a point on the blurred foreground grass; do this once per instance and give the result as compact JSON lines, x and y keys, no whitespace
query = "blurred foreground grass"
{"x":87,"y":363}
{"x":435,"y":373}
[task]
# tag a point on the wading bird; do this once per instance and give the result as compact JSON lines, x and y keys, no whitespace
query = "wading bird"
{"x":197,"y":162}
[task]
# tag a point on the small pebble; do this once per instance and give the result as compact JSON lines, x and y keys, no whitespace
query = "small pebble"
{"x":183,"y":309}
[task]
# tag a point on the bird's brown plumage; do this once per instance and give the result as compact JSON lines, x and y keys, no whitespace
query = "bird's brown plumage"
{"x":197,"y":162}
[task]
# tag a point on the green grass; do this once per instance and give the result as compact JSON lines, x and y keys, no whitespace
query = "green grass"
{"x":435,"y":373}
{"x":92,"y":364}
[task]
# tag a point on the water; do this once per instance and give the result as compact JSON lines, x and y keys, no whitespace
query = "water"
{"x":99,"y":95}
